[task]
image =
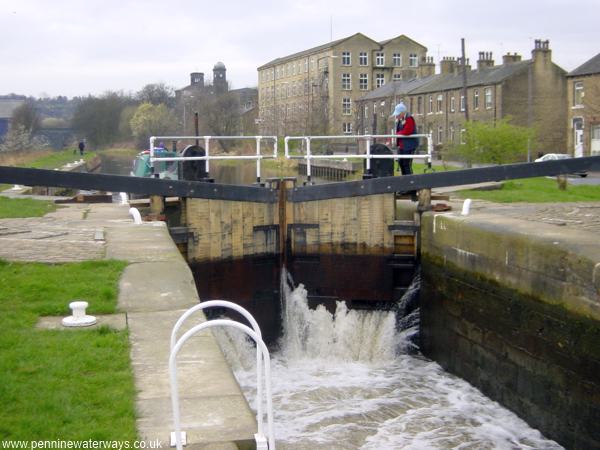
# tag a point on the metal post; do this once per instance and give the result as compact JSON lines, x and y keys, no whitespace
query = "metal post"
{"x":206,"y":145}
{"x":368,"y":153}
{"x":258,"y":138}
{"x":152,"y":139}
{"x":368,"y":173}
{"x":429,"y":149}
{"x":464,"y":78}
{"x":308,"y":171}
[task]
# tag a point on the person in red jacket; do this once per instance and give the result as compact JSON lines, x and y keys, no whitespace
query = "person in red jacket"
{"x":405,"y":126}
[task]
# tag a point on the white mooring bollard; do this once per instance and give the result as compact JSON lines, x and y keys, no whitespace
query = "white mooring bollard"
{"x":466,"y":207}
{"x":79,"y":317}
{"x":137,"y":217}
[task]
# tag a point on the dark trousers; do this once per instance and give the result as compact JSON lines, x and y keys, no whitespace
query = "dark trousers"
{"x":405,"y":163}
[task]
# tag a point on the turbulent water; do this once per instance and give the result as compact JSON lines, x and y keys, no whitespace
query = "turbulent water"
{"x":352,"y":381}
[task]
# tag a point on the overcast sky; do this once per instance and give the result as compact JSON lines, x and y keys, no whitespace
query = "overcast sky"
{"x":81,"y":47}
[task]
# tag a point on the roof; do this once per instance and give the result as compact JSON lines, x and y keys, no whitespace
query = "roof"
{"x":398,"y":87}
{"x":589,"y":67}
{"x":487,"y":76}
{"x":7,"y":107}
{"x":316,"y":49}
{"x":330,"y":45}
{"x":402,"y":36}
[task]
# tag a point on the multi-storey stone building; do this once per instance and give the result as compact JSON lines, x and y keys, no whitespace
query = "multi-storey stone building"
{"x":532,"y":92}
{"x":315,"y":91}
{"x":583,"y":109}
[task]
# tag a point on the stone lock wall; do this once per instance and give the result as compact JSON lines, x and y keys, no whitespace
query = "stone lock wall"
{"x":515,"y":310}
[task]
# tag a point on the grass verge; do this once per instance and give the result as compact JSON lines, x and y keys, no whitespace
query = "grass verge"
{"x":42,"y":159}
{"x":535,"y":190}
{"x":24,"y":207}
{"x":71,"y":384}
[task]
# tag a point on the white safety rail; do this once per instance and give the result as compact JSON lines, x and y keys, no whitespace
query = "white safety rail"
{"x":367,"y":138}
{"x":207,"y":157}
{"x":262,"y":358}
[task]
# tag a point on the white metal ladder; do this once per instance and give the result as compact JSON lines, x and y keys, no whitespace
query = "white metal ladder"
{"x":262,"y":358}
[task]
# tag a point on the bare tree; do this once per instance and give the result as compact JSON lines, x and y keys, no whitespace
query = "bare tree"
{"x":27,"y":116}
{"x":156,"y":94}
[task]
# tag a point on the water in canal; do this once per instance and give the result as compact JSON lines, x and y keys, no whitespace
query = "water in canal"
{"x":352,"y":380}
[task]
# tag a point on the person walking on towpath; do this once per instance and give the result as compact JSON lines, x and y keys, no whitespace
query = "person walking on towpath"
{"x":405,"y":126}
{"x":81,"y":146}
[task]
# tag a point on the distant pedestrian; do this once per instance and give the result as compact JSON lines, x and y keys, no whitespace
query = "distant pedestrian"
{"x":405,"y":126}
{"x":81,"y":147}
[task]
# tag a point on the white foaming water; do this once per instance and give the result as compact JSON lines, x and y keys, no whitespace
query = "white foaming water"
{"x":338,"y":383}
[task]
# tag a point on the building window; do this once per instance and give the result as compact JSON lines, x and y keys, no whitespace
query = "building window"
{"x":451,"y":133}
{"x":463,"y":135}
{"x":346,"y":82}
{"x":488,"y":98}
{"x":397,"y":76}
{"x":346,"y":60}
{"x":413,"y":60}
{"x":578,"y":93}
{"x":346,"y":106}
{"x":347,"y":128}
{"x":476,"y":99}
{"x":430,"y":109}
{"x":379,"y":59}
{"x":363,"y":81}
{"x":363,"y":59}
{"x":462,"y":102}
{"x":439,"y":101}
{"x":306,"y":65}
{"x":419,"y":105}
{"x":440,"y":137}
{"x":379,"y":80}
{"x":452,"y":104}
{"x":397,"y":59}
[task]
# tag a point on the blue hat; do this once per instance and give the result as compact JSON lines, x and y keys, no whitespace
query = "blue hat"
{"x":400,"y":108}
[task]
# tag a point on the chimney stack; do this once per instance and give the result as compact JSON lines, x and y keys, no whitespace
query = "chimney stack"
{"x":485,"y":60}
{"x":509,"y":59}
{"x":460,"y":65}
{"x":447,"y":65}
{"x":541,"y":51}
{"x":427,"y":67}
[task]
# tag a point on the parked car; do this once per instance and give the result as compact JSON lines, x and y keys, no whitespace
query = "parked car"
{"x":556,"y":156}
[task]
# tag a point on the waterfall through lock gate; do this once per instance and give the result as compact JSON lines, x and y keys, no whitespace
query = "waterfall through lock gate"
{"x":356,"y":380}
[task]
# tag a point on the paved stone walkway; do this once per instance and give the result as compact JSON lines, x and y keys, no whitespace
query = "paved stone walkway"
{"x":62,"y":236}
{"x":584,"y":216}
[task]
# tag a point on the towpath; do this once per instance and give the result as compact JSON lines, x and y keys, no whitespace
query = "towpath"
{"x":155,"y":289}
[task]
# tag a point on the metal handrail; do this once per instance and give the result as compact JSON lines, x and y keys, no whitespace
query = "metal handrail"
{"x":367,"y":155}
{"x":229,"y":305}
{"x":258,"y":157}
{"x":267,"y":366}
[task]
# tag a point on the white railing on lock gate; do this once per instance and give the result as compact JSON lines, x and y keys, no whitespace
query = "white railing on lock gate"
{"x":262,"y":359}
{"x":208,"y":157}
{"x":367,"y":155}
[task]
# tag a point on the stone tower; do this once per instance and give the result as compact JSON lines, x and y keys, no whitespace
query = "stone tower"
{"x":220,"y":78}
